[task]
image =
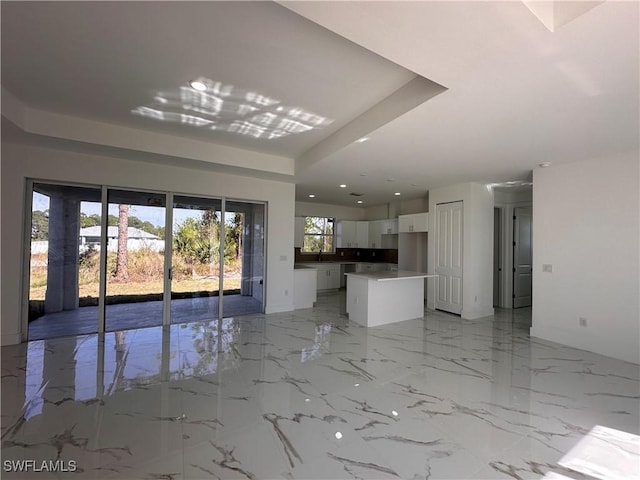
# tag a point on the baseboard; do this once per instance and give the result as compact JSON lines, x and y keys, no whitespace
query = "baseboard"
{"x":288,"y":307}
{"x":621,"y":350}
{"x":475,"y":313}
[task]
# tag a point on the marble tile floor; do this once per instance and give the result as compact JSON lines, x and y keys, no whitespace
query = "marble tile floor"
{"x":309,"y":395}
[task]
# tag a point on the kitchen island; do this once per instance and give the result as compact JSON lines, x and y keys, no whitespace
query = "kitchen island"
{"x":378,"y":298}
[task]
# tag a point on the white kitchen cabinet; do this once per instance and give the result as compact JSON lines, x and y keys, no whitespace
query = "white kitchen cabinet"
{"x":379,"y":228}
{"x":375,"y":232}
{"x":362,"y":234}
{"x":416,"y":222}
{"x":390,"y":226}
{"x":346,"y":231}
{"x":364,"y":267}
{"x":328,"y":276}
{"x":298,"y":236}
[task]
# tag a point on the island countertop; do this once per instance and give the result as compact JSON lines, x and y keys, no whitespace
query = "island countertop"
{"x":389,"y":275}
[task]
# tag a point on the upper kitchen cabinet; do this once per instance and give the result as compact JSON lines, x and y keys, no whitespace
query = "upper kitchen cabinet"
{"x":362,"y":234}
{"x":416,"y":222}
{"x":379,"y":228}
{"x":389,"y":226}
{"x":375,"y":231}
{"x":346,"y":234}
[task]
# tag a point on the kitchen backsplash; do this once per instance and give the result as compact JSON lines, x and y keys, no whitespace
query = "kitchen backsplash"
{"x":373,"y":255}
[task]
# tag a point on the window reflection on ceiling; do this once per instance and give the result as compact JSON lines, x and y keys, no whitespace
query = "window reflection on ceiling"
{"x":227,"y":108}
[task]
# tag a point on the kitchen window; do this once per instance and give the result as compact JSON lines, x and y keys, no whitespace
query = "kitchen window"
{"x":318,"y":235}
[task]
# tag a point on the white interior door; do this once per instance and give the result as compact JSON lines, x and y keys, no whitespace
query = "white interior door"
{"x":449,"y":257}
{"x":522,"y":257}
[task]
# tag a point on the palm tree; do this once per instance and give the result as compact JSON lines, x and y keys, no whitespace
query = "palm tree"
{"x":122,"y":270}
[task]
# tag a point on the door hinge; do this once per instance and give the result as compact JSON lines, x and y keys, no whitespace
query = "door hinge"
{"x":514,"y":270}
{"x":514,"y":244}
{"x":514,"y":217}
{"x":513,"y":296}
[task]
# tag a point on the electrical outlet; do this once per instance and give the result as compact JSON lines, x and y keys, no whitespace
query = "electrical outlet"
{"x":374,"y":254}
{"x":342,"y":254}
{"x":582,"y":321}
{"x":286,"y":293}
{"x":283,"y":258}
{"x":356,"y":301}
{"x":547,"y":267}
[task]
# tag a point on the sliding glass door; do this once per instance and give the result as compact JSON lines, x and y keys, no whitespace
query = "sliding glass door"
{"x":243,"y":258}
{"x":135,"y":259}
{"x":64,"y":261}
{"x":103,"y":259}
{"x":195,"y":259}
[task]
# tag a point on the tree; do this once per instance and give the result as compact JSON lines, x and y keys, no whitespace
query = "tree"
{"x":89,"y":220}
{"x":197,"y":240}
{"x":233,"y":237}
{"x":122,"y":270}
{"x":39,"y":225}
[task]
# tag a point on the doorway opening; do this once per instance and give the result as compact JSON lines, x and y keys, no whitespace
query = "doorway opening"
{"x":497,"y":255}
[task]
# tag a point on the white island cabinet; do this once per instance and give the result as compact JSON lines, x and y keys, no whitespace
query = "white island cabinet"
{"x":378,"y":298}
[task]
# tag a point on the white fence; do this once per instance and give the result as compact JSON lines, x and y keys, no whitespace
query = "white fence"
{"x":133,"y":244}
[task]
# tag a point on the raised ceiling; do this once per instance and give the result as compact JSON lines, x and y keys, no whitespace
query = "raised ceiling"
{"x":448,"y":92}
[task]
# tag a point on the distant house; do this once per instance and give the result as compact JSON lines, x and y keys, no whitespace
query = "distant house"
{"x":137,"y":239}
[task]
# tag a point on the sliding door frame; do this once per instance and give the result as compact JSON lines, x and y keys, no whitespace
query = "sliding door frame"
{"x":168,"y":253}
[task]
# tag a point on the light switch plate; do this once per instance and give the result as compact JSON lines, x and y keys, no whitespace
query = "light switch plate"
{"x":547,"y":267}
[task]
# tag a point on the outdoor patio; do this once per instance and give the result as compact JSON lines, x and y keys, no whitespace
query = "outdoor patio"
{"x":126,"y":316}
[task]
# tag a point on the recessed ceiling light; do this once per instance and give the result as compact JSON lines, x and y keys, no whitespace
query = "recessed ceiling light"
{"x":397,"y":194}
{"x":343,"y":186}
{"x":311,"y":195}
{"x":359,"y":201}
{"x":390,"y":179}
{"x":363,"y":139}
{"x":544,"y":164}
{"x":198,"y":85}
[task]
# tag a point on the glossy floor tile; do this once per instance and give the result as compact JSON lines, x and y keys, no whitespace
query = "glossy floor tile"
{"x":308,"y":395}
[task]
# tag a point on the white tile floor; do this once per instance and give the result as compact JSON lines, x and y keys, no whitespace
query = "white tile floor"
{"x":267,"y":396}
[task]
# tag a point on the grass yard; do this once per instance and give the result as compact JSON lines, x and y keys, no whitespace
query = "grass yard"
{"x":145,"y":276}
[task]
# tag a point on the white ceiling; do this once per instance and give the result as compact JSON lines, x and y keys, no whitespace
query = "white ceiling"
{"x":511,"y":93}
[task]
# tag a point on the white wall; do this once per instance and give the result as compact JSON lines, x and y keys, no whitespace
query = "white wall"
{"x":477,"y":257}
{"x":20,"y":162}
{"x":309,"y":209}
{"x":586,"y":225}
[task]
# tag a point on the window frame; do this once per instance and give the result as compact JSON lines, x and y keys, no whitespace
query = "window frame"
{"x":323,"y":234}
